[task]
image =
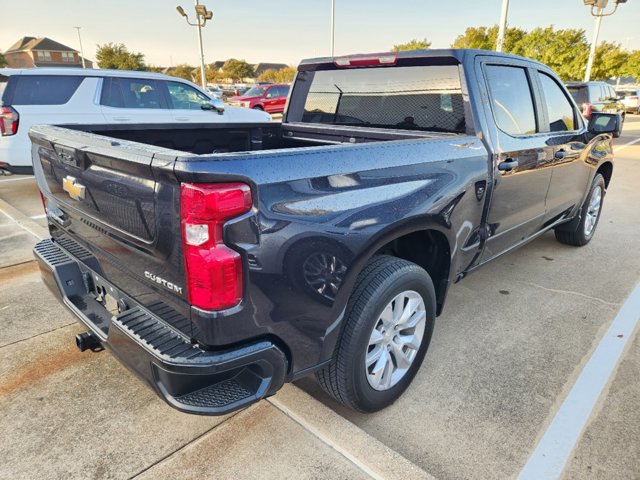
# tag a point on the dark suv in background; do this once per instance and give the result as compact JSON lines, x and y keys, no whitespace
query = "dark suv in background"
{"x":597,"y":97}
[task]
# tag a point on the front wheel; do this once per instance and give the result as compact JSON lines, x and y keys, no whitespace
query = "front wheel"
{"x":387,"y":329}
{"x":258,"y":107}
{"x":590,"y":215}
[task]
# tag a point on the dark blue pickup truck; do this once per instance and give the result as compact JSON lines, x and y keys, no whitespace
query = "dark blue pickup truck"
{"x":220,"y":261}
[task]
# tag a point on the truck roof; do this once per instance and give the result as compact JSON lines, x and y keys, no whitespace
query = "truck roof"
{"x":459,"y":54}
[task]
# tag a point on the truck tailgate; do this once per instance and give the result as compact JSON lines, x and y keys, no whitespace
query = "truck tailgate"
{"x":101,"y":195}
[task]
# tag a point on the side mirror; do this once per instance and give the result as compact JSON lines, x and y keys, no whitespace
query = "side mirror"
{"x":214,"y":104}
{"x":604,"y":123}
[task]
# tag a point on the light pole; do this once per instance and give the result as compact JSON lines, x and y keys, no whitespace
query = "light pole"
{"x":333,"y":26}
{"x":202,"y":15}
{"x":503,"y":25}
{"x":81,"y":51}
{"x":598,"y":7}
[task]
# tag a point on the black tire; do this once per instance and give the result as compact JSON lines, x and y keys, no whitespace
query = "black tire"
{"x":257,"y":107}
{"x":577,"y":236}
{"x":381,"y":280}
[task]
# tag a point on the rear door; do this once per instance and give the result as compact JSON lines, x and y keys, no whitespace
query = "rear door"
{"x":134,"y":100}
{"x":520,"y":159}
{"x":565,"y":146}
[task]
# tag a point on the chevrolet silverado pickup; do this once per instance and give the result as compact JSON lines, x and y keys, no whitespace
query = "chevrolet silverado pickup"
{"x":218,"y":261}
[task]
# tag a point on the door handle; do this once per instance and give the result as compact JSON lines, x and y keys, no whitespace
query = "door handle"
{"x":560,"y":154}
{"x":122,"y":119}
{"x":182,"y":119}
{"x":508,"y":165}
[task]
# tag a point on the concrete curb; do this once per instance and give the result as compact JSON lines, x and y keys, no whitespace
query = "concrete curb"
{"x":370,"y":455}
{"x":23,"y":221}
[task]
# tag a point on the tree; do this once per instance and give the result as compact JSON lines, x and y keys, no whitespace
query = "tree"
{"x":182,"y":71}
{"x":284,"y":75}
{"x":3,"y":61}
{"x":486,"y":38}
{"x":609,"y":61}
{"x":213,"y":75}
{"x":414,"y":44}
{"x":154,"y":68}
{"x":565,"y":50}
{"x":632,"y":67}
{"x":236,"y":70}
{"x":116,"y":56}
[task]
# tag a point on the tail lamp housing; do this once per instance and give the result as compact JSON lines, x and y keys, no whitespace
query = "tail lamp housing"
{"x":586,"y":110}
{"x":213,"y":270}
{"x":9,"y":119}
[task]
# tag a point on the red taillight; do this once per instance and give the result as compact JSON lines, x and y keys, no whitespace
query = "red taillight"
{"x":8,"y":121}
{"x":365,"y":60}
{"x":44,"y":201}
{"x":632,"y":97}
{"x":213,"y":270}
{"x":586,"y":110}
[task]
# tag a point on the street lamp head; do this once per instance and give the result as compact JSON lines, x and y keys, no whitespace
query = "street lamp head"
{"x":589,"y":3}
{"x":181,"y":11}
{"x":209,"y":14}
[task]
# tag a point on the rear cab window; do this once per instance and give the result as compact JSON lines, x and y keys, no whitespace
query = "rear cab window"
{"x":40,"y":89}
{"x":415,"y":97}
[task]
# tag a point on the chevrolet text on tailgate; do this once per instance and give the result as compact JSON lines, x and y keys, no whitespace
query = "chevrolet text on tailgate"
{"x":218,"y":261}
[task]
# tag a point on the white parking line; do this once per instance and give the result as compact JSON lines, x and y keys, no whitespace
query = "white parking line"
{"x":29,"y":177}
{"x":21,"y":225}
{"x":550,"y":456}
{"x":625,"y":145}
{"x":38,"y":217}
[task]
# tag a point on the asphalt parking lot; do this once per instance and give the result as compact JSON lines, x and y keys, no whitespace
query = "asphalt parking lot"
{"x":513,"y":342}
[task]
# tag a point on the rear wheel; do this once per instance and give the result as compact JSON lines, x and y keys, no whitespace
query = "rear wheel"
{"x":258,"y":107}
{"x":387,"y":329}
{"x":590,"y":215}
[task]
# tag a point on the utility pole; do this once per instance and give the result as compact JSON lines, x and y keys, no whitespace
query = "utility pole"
{"x":594,"y":44}
{"x":598,"y":7}
{"x":333,"y":26}
{"x":81,"y":51}
{"x":202,"y":15}
{"x":503,"y":25}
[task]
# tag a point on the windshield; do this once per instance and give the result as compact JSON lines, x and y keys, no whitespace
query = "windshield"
{"x":254,"y":92}
{"x":426,"y":98}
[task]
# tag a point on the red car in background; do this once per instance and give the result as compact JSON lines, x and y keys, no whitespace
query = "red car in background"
{"x":270,"y":98}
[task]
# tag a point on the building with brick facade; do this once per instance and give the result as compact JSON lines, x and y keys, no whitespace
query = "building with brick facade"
{"x":30,"y":52}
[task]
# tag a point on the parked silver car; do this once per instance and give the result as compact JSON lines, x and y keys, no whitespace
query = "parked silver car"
{"x":631,"y":101}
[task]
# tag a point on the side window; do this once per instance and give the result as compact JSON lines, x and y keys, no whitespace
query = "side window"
{"x":284,"y":91}
{"x":271,"y":93}
{"x":560,"y":111}
{"x":511,"y":99}
{"x":41,"y":89}
{"x":184,"y":97}
{"x":131,"y":93}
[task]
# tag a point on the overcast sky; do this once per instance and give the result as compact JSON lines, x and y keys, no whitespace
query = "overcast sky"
{"x":286,"y":31}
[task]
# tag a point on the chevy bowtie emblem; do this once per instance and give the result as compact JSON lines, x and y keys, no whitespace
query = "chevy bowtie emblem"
{"x":73,"y":188}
